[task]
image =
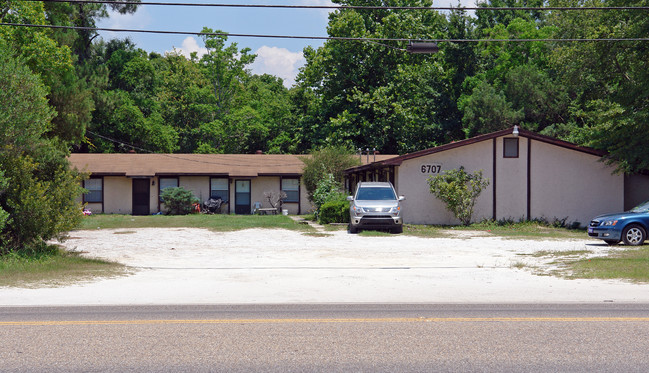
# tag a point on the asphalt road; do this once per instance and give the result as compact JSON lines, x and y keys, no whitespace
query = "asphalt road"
{"x":327,"y":338}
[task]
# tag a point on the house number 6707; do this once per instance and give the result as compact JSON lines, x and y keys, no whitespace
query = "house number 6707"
{"x":431,"y":168}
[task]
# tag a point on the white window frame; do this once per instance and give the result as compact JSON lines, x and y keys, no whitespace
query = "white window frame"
{"x":291,"y":189}
{"x":95,"y":186}
{"x":224,"y":193}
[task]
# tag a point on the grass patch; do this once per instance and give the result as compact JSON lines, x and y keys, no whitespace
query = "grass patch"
{"x":542,"y":253}
{"x":336,"y":227}
{"x":526,"y":230}
{"x":426,"y":231}
{"x":518,"y":265}
{"x":54,"y":268}
{"x":218,"y":223}
{"x":630,"y":264}
{"x":317,"y":234}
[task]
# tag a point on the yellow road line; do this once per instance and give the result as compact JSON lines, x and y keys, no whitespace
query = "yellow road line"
{"x":325,"y":320}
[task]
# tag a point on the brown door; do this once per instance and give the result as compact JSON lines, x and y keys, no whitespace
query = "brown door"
{"x":141,"y":196}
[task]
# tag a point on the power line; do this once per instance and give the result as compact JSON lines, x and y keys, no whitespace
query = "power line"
{"x":371,"y":40}
{"x":341,"y":7}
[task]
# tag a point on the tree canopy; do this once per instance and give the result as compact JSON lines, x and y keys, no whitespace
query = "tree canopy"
{"x":66,"y":89}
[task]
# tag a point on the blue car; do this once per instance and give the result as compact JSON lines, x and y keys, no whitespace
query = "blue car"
{"x":630,"y":227}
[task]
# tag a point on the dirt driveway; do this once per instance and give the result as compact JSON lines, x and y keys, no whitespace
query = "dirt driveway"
{"x":197,"y":266}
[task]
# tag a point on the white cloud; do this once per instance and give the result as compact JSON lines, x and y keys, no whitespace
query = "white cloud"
{"x":275,"y":61}
{"x":141,"y":19}
{"x":323,"y":12}
{"x":189,"y":46}
{"x":279,"y":62}
{"x":138,"y":20}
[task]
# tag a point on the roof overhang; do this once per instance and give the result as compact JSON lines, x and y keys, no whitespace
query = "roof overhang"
{"x":396,"y":161}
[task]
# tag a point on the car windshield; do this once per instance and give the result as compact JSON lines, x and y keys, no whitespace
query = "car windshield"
{"x":643,"y":207}
{"x":376,"y":194}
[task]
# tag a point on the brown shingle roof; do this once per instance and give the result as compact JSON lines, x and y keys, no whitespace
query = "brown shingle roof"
{"x":148,"y":165}
{"x":396,"y":161}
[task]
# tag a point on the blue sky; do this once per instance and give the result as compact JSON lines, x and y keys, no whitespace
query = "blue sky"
{"x":280,"y":57}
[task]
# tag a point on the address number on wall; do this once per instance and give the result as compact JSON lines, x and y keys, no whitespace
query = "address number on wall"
{"x":431,"y":168}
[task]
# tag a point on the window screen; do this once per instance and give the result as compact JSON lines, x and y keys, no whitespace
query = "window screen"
{"x":167,"y":182}
{"x":219,"y":189}
{"x":94,"y":187}
{"x":510,"y":148}
{"x":292,"y":189}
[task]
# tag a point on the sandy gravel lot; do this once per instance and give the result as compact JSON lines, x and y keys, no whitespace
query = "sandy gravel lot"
{"x":197,"y":266}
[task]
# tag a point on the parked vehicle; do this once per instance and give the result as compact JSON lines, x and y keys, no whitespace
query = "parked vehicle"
{"x":375,"y":205}
{"x":630,"y":227}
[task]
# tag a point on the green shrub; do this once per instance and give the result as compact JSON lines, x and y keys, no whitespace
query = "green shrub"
{"x":327,"y":160}
{"x":38,"y":190}
{"x":335,"y":211}
{"x":459,"y":191}
{"x":178,"y":201}
{"x":328,"y":189}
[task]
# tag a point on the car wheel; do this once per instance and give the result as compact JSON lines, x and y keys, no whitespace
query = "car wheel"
{"x":634,"y":235}
{"x":398,"y":229}
{"x":353,"y":229}
{"x":611,"y":242}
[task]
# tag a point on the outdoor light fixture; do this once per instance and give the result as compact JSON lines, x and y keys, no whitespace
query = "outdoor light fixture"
{"x":515,"y":132}
{"x":422,"y":47}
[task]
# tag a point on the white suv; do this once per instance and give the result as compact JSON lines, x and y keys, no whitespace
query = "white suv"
{"x":375,"y":205}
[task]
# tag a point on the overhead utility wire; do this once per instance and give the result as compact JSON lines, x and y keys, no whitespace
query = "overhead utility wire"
{"x":374,"y":40}
{"x":336,"y":7}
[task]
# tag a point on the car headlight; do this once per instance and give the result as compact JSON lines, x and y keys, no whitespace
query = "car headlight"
{"x":609,"y":223}
{"x":395,"y":210}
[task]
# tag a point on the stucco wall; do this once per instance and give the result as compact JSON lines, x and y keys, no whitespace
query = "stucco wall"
{"x":564,"y":184}
{"x":261,"y":185}
{"x":307,"y":206}
{"x":420,"y":206}
{"x":199,"y":185}
{"x":154,"y":193}
{"x":118,"y":195}
{"x":511,"y":182}
{"x":573,"y":185}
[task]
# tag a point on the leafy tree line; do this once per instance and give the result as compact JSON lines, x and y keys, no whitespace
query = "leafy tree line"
{"x":363,"y":94}
{"x":592,"y":93}
{"x":84,"y":94}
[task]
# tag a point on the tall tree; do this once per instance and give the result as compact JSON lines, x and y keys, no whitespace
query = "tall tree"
{"x":225,"y":67}
{"x":84,"y":15}
{"x":609,"y":81}
{"x":38,"y":189}
{"x":375,"y":94}
{"x":68,"y":94}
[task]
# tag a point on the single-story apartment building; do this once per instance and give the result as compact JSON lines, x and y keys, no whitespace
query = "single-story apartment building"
{"x":131,"y":183}
{"x":531,"y":176}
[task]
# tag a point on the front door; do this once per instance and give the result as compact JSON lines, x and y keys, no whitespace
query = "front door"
{"x":141,"y":196}
{"x":242,"y":197}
